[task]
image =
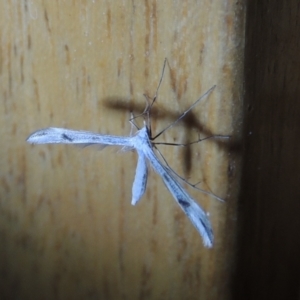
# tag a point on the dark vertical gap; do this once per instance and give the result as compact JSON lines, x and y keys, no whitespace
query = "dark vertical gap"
{"x":268,"y":256}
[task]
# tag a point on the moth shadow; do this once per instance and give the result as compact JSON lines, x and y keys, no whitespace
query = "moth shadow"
{"x":189,"y":124}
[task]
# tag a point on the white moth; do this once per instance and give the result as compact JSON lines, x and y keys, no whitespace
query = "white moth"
{"x":141,"y":143}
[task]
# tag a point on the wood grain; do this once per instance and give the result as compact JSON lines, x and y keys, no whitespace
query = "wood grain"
{"x":67,"y":228}
{"x":268,"y":264}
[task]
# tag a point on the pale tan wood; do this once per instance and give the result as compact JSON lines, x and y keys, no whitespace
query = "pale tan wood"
{"x":68,"y":230}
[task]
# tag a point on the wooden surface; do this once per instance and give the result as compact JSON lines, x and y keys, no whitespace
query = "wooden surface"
{"x":268,"y":261}
{"x":67,"y":229}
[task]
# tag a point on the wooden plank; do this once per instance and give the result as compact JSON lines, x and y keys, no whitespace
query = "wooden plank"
{"x":68,"y":230}
{"x":268,"y":261}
